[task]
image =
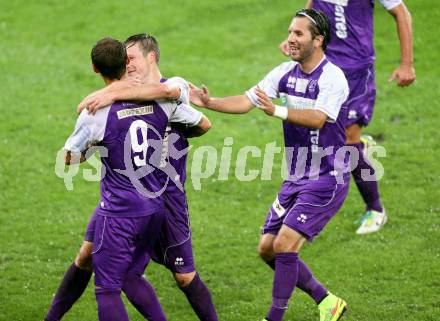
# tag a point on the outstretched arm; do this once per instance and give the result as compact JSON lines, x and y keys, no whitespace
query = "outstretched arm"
{"x":127,"y":89}
{"x":405,"y":73}
{"x":230,"y":105}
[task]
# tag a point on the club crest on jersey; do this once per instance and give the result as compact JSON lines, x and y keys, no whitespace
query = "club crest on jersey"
{"x":312,"y":85}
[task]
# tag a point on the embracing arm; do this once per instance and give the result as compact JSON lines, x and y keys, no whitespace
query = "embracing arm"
{"x":128,"y":89}
{"x":70,"y":158}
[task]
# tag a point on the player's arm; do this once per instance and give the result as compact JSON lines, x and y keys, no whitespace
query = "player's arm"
{"x":200,"y":129}
{"x":128,"y":89}
{"x":310,"y":118}
{"x":230,"y":105}
{"x":405,"y":73}
{"x":88,"y":131}
{"x":70,"y":159}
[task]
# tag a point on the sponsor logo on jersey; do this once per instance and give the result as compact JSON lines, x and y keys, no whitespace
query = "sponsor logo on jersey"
{"x":340,"y":22}
{"x":301,"y":85}
{"x":338,"y":2}
{"x":139,"y":111}
{"x":314,"y":139}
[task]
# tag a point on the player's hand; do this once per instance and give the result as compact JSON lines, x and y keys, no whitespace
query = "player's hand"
{"x":96,"y":100}
{"x":265,"y":103}
{"x":199,"y":96}
{"x":285,"y":48}
{"x":404,"y":75}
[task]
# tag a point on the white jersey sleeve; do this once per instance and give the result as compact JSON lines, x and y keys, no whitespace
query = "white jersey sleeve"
{"x":270,"y":83}
{"x":390,"y":4}
{"x":181,"y":113}
{"x":182,"y":84}
{"x":89,"y":130}
{"x":333,"y":91}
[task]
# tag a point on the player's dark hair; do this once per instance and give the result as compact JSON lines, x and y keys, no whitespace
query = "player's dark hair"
{"x":147,"y":44}
{"x":110,"y":58}
{"x":319,"y":24}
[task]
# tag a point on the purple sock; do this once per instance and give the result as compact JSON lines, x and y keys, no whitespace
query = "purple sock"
{"x":143,"y":297}
{"x":199,"y":297}
{"x":110,"y":305}
{"x":308,"y":283}
{"x":286,"y":276}
{"x":369,"y":189}
{"x":71,"y":288}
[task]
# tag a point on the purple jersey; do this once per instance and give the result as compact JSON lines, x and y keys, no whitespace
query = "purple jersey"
{"x":351,"y":21}
{"x":310,"y":153}
{"x":132,"y":134}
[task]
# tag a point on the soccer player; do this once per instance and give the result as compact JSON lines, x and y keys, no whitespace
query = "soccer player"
{"x":352,"y":50}
{"x":174,"y":249}
{"x":313,"y":91}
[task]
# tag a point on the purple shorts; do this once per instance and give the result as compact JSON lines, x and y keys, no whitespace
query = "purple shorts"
{"x":174,"y":247}
{"x":360,"y":102}
{"x":90,"y":231}
{"x":123,"y":245}
{"x":306,"y":208}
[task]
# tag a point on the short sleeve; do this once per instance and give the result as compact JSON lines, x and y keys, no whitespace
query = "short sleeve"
{"x":333,"y":91}
{"x":182,"y":84}
{"x":390,"y":4}
{"x":89,"y":130}
{"x":185,"y":114}
{"x":270,"y":83}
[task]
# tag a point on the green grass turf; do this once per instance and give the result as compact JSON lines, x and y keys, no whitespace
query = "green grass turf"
{"x":228,"y":45}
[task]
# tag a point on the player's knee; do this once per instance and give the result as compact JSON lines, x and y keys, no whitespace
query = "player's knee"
{"x":184,"y":279}
{"x":265,"y":250}
{"x":84,"y":259}
{"x":353,"y":134}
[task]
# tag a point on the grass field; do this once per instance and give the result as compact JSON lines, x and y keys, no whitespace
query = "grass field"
{"x":228,"y":45}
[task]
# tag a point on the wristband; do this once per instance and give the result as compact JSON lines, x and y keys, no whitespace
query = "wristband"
{"x":280,"y":112}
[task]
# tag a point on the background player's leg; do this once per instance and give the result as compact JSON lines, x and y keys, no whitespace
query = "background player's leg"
{"x":73,"y":284}
{"x":110,"y":305}
{"x":198,"y":295}
{"x":142,"y":295}
{"x":369,"y":190}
